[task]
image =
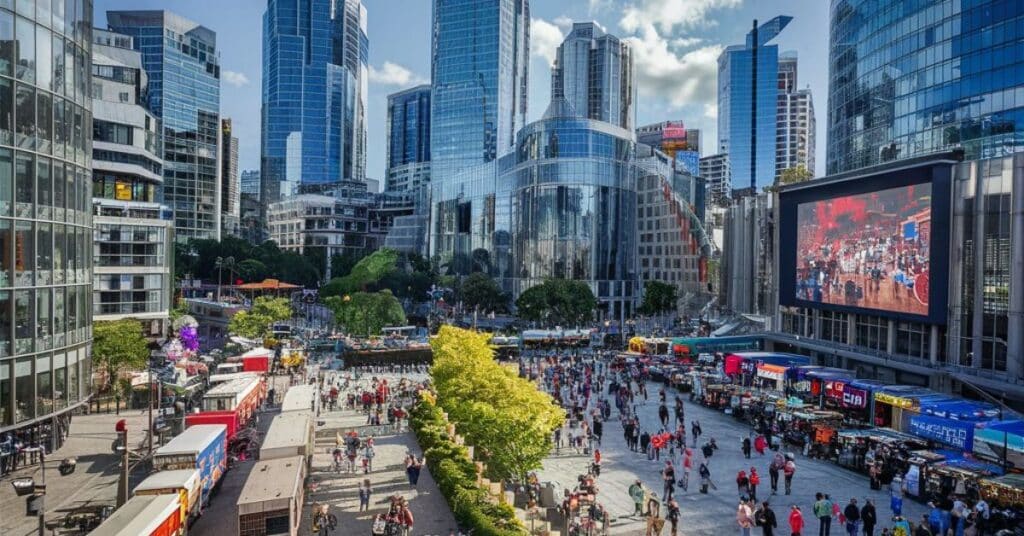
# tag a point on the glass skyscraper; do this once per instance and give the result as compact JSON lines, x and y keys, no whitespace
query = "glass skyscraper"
{"x":593,"y":72}
{"x":408,"y":135}
{"x":747,"y":102}
{"x":911,"y":78}
{"x":45,"y":217}
{"x":480,"y":55}
{"x":314,"y":95}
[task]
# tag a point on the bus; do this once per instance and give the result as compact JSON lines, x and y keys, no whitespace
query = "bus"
{"x":694,"y":346}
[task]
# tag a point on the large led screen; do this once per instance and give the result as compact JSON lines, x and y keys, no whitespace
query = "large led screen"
{"x":867,"y":250}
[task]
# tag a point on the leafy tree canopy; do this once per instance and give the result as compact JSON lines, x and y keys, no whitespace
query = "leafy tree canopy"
{"x":257,"y":321}
{"x":198,"y":258}
{"x":559,"y":302}
{"x":659,"y":297}
{"x":118,"y":345}
{"x":795,"y":174}
{"x":367,"y":313}
{"x":480,"y":291}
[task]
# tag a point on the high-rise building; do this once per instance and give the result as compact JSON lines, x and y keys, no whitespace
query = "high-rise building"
{"x":230,"y":189}
{"x":795,"y":134}
{"x":408,"y":138}
{"x":45,"y":218}
{"x":250,"y":182}
{"x":714,"y":170}
{"x":747,"y":102}
{"x":909,"y":79}
{"x":480,"y":55}
{"x":133,"y":233}
{"x":593,"y":72}
{"x":182,"y":62}
{"x":314,"y":95}
{"x":674,"y":139}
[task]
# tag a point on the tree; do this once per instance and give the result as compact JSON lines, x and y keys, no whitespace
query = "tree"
{"x":342,"y":265}
{"x":557,"y":302}
{"x":659,"y":297}
{"x":480,"y":291}
{"x":367,"y":313}
{"x":365,"y":275}
{"x":257,"y":321}
{"x":252,"y":270}
{"x":795,"y":174}
{"x":118,"y":345}
{"x":224,"y":263}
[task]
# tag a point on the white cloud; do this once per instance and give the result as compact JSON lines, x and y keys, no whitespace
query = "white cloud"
{"x":234,"y":78}
{"x":393,"y":74}
{"x":711,"y":110}
{"x":667,"y":14}
{"x":596,"y":6}
{"x":544,"y":39}
{"x":686,"y":42}
{"x":563,"y":21}
{"x":680,"y":79}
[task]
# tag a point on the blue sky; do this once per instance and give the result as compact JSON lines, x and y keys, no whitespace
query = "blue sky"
{"x":676,"y":45}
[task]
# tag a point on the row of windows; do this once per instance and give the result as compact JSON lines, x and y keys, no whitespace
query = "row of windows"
{"x":42,"y":122}
{"x":31,"y":386}
{"x":41,"y":254}
{"x":109,"y":186}
{"x":40,"y":319}
{"x":41,"y":188}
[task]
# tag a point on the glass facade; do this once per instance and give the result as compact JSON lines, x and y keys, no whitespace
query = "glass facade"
{"x":182,"y":62}
{"x":593,"y":72}
{"x":408,"y":136}
{"x":747,"y":102}
{"x":916,"y":77}
{"x":480,"y":55}
{"x":45,"y":217}
{"x":314,"y":92}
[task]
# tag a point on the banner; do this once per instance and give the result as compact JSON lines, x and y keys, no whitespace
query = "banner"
{"x":958,"y":434}
{"x":848,"y":397}
{"x":894,"y":400}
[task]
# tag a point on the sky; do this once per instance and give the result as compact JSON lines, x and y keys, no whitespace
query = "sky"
{"x":676,"y":44}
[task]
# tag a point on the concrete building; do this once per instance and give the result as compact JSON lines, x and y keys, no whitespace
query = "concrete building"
{"x":674,"y":139}
{"x":593,"y":72}
{"x":717,"y":177}
{"x":133,"y":231}
{"x":182,"y":62}
{"x":336,"y":224}
{"x":230,"y":190}
{"x":795,"y":135}
{"x":408,"y":140}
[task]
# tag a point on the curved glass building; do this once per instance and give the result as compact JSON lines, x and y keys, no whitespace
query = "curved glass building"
{"x":911,"y":78}
{"x":45,"y":218}
{"x":574,"y":207}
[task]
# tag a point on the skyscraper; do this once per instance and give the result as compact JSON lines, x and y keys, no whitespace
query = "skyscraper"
{"x":250,"y":182}
{"x":747,"y":102}
{"x":230,"y":188}
{"x":408,"y":138}
{"x":675,"y":140}
{"x":314,"y":95}
{"x":480,"y":55}
{"x":593,"y":72}
{"x":183,"y":65}
{"x":795,"y":122}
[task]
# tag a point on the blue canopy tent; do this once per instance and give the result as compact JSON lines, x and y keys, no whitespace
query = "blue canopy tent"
{"x":960,"y":409}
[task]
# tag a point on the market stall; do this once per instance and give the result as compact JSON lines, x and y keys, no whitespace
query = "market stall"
{"x":892,"y":400}
{"x":957,"y":476}
{"x":1005,"y":491}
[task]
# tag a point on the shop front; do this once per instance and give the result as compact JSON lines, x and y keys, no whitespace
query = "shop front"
{"x":891,"y":401}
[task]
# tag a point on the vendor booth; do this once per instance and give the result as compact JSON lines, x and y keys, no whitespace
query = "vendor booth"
{"x":892,"y":400}
{"x":957,"y":476}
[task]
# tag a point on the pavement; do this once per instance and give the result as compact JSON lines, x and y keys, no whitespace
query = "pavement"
{"x":712,"y":514}
{"x":340,"y":490}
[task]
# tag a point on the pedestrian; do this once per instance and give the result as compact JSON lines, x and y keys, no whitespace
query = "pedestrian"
{"x":755,"y":480}
{"x":900,"y":526}
{"x":672,"y":515}
{"x":368,"y":455}
{"x":742,"y":483}
{"x":868,"y":517}
{"x":695,"y":431}
{"x":595,"y":468}
{"x":654,"y":521}
{"x":410,"y":462}
{"x":796,"y":520}
{"x":687,"y":466}
{"x":744,"y":517}
{"x":405,"y":518}
{"x":760,"y":444}
{"x":636,"y":492}
{"x":765,"y":518}
{"x":787,"y":473}
{"x":364,"y":495}
{"x":663,"y":415}
{"x":705,"y":478}
{"x":823,"y":511}
{"x":645,"y":441}
{"x":773,"y":471}
{"x":558,"y":439}
{"x":896,"y":503}
{"x":668,"y":477}
{"x":924,"y":527}
{"x":745,"y":447}
{"x":852,"y":514}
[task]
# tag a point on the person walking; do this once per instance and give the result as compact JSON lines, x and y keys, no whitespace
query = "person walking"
{"x":364,"y":495}
{"x":636,"y":493}
{"x":823,"y":511}
{"x":742,"y":483}
{"x":868,"y":517}
{"x":668,"y":477}
{"x":672,"y":515}
{"x":765,"y":518}
{"x":744,"y":517}
{"x":773,"y":471}
{"x":745,"y":447}
{"x":796,"y":520}
{"x":852,"y":514}
{"x":787,"y":473}
{"x":687,"y":466}
{"x":695,"y":431}
{"x":755,"y":480}
{"x":760,"y":444}
{"x":705,"y":478}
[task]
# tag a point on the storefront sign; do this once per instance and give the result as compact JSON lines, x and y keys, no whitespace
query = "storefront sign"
{"x":748,"y":367}
{"x":848,"y":397}
{"x":772,"y":372}
{"x":894,"y":400}
{"x":956,"y":434}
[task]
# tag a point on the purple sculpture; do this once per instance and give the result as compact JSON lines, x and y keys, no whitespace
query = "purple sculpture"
{"x":189,"y":338}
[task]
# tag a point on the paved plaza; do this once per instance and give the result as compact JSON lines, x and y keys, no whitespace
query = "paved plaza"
{"x":715,"y":513}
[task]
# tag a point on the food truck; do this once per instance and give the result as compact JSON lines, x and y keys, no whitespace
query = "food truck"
{"x":202,"y":448}
{"x":185,"y":483}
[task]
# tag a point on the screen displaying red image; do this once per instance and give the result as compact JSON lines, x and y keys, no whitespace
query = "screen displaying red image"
{"x":866,"y":250}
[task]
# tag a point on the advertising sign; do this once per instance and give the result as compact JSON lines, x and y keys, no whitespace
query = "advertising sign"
{"x":958,"y":434}
{"x":894,"y":401}
{"x":688,"y":161}
{"x":848,"y":397}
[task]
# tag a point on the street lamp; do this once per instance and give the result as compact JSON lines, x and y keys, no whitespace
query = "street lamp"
{"x":34,"y":503}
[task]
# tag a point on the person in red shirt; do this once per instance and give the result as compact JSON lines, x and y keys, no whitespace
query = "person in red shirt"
{"x":755,"y":479}
{"x":796,"y":520}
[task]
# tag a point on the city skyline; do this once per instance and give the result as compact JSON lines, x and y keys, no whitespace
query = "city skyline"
{"x":675,"y":54}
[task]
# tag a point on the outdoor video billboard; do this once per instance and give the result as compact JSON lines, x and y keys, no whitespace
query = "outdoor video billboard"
{"x":875,"y":243}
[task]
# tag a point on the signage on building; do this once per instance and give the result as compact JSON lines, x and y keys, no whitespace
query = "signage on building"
{"x":688,"y":161}
{"x":894,"y":401}
{"x":848,"y":397}
{"x":957,"y":434}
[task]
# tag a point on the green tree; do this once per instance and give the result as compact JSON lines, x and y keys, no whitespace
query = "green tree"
{"x":118,"y":345}
{"x":252,"y":270}
{"x":480,"y":291}
{"x":659,"y":297}
{"x":365,"y":275}
{"x":257,"y":321}
{"x":557,"y":302}
{"x":795,"y":174}
{"x":367,"y":313}
{"x":342,"y":265}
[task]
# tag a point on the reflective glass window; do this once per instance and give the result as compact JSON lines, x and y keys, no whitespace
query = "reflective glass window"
{"x":6,"y":252}
{"x":44,"y":189}
{"x":24,"y":318}
{"x":76,"y":370}
{"x":25,"y":113}
{"x":24,"y":185}
{"x":7,"y":116}
{"x":44,"y":59}
{"x":44,"y":384}
{"x":44,"y":121}
{"x":44,"y":319}
{"x":60,"y":380}
{"x":44,"y":257}
{"x":24,"y":390}
{"x":25,"y":33}
{"x":24,"y":254}
{"x":7,"y":44}
{"x":5,"y":323}
{"x":5,"y":392}
{"x":6,"y":182}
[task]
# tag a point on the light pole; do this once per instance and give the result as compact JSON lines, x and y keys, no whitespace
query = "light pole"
{"x":37,"y":492}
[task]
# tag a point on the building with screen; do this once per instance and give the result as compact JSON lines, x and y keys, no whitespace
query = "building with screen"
{"x":795,"y":123}
{"x":229,"y":180}
{"x":674,"y":139}
{"x":408,"y":140}
{"x":133,"y":231}
{"x":747,"y":105}
{"x":479,"y":61}
{"x":45,"y":218}
{"x":593,"y":72}
{"x":314,"y":95}
{"x":909,"y":79}
{"x":182,"y":62}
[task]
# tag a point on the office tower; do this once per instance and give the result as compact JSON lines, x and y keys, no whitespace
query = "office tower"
{"x":250,"y":182}
{"x":795,"y":134}
{"x":230,"y":189}
{"x":593,"y":72}
{"x":914,"y":79}
{"x":714,"y":170}
{"x":408,"y":139}
{"x":674,"y":139}
{"x":747,"y":102}
{"x":314,"y":95}
{"x":182,"y":62}
{"x":132,"y":228}
{"x":480,"y":55}
{"x":45,"y":164}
